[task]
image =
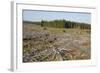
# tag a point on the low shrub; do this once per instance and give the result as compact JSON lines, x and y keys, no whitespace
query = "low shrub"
{"x":64,"y":30}
{"x":44,"y":28}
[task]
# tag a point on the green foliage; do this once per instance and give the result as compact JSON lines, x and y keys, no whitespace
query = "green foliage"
{"x":61,"y":24}
{"x":64,"y":24}
{"x":64,"y":30}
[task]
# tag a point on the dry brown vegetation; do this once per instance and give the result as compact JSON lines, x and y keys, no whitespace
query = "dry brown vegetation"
{"x":55,"y":44}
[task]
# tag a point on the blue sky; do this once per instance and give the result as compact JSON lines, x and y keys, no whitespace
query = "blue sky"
{"x":30,"y":15}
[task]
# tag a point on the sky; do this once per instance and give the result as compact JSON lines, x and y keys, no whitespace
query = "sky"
{"x":33,"y":15}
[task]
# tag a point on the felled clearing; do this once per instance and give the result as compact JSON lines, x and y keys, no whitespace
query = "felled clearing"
{"x":55,"y":44}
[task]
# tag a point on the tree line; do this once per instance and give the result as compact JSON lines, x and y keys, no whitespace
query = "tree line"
{"x":60,"y":24}
{"x":64,"y":24}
